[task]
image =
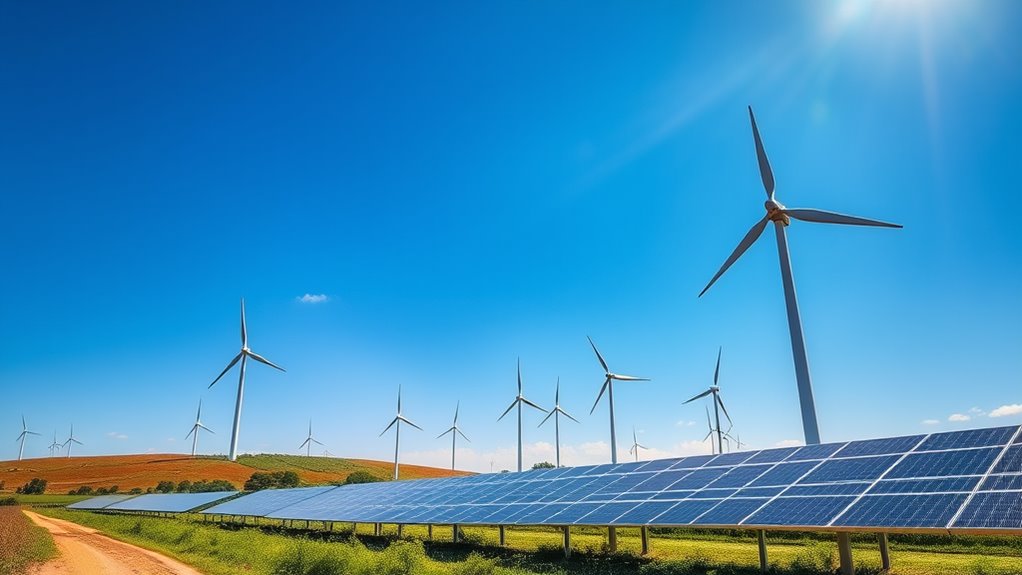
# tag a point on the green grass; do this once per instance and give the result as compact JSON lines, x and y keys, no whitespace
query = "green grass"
{"x":271,"y":462}
{"x":271,"y":550}
{"x":46,"y":499}
{"x":22,"y":543}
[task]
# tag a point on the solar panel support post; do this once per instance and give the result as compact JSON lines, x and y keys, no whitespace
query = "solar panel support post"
{"x":612,"y":539}
{"x":567,"y":542}
{"x":644,"y":536}
{"x":400,"y":530}
{"x":429,"y":531}
{"x":761,"y":538}
{"x":454,"y":533}
{"x":885,"y":554}
{"x":503,"y":535}
{"x":844,"y":551}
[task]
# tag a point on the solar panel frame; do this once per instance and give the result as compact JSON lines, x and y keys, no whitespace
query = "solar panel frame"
{"x":169,"y":502}
{"x":98,"y":502}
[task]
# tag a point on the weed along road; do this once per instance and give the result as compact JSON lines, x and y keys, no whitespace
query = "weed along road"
{"x":85,"y":551}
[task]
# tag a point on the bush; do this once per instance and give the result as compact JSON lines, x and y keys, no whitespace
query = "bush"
{"x":271,"y":480}
{"x":475,"y":564}
{"x":135,"y":491}
{"x":543,"y":465}
{"x":7,"y":501}
{"x":360,"y":477}
{"x":165,"y":487}
{"x":34,"y":487}
{"x":83,"y":490}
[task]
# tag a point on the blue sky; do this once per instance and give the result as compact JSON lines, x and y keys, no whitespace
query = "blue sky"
{"x":472,"y":183}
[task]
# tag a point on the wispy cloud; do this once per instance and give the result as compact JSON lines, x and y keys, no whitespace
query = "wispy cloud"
{"x":313,"y":298}
{"x":976,"y":411}
{"x":1006,"y":410}
{"x":684,"y":423}
{"x":930,"y":421}
{"x":116,"y":435}
{"x":958,"y":417}
{"x":789,"y":443}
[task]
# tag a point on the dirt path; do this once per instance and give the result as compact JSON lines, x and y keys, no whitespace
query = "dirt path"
{"x":85,"y":551}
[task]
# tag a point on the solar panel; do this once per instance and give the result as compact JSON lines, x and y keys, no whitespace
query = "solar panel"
{"x":969,"y":480}
{"x":170,"y":502}
{"x":99,"y":502}
{"x":260,"y":503}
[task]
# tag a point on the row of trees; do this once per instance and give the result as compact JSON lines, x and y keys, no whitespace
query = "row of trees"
{"x":271,"y":480}
{"x":201,"y":486}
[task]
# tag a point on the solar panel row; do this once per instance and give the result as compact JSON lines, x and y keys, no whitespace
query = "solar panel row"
{"x":152,"y":502}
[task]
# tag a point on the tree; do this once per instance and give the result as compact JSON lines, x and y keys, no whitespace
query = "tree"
{"x":184,"y":487}
{"x":83,"y":490}
{"x":271,"y":480}
{"x":165,"y":487}
{"x":135,"y":491}
{"x":360,"y":477}
{"x":543,"y":465}
{"x":34,"y":487}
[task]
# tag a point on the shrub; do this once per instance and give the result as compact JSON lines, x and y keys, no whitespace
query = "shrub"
{"x":475,"y":564}
{"x":361,"y":477}
{"x":165,"y":487}
{"x":6,"y":501}
{"x":34,"y":487}
{"x":271,"y":480}
{"x":543,"y":465}
{"x":83,"y":490}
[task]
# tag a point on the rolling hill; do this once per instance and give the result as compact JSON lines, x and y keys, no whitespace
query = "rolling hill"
{"x":144,"y":471}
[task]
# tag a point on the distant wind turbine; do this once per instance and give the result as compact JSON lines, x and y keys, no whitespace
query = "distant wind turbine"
{"x":71,"y":439}
{"x":709,"y":432}
{"x":519,"y":400}
{"x":608,"y":386}
{"x":781,"y":217}
{"x":196,"y":427}
{"x":635,"y":445}
{"x":397,"y":432}
{"x":307,"y":444}
{"x":557,"y":412}
{"x":21,"y":437}
{"x":55,"y":446}
{"x":718,"y":403}
{"x":455,"y":431}
{"x":243,"y":355}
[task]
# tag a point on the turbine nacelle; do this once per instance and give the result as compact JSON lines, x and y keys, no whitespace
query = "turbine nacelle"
{"x":775,"y":212}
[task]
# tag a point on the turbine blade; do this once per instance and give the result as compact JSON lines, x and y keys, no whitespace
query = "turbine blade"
{"x":530,"y":404}
{"x":749,"y":239}
{"x":703,"y":394}
{"x":629,"y":378}
{"x":463,"y":436}
{"x":445,"y":433}
{"x":76,"y":441}
{"x":262,"y":359}
{"x":508,"y":410}
{"x":825,"y":217}
{"x":207,"y":429}
{"x":226,"y":369}
{"x":244,"y":333}
{"x":566,"y":414}
{"x":716,"y":370}
{"x":708,"y":434}
{"x":598,"y":356}
{"x":724,"y":409}
{"x":392,"y":422}
{"x":409,"y":422}
{"x":552,"y":411}
{"x":304,"y":443}
{"x":190,"y":432}
{"x":316,"y":441}
{"x":31,"y":432}
{"x":519,"y":376}
{"x":602,"y":389}
{"x":764,"y":166}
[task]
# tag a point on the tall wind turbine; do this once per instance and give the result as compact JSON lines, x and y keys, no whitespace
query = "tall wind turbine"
{"x":718,"y":403}
{"x":21,"y":437}
{"x":519,"y":400}
{"x":307,"y":444}
{"x":635,"y":445}
{"x":557,"y":412}
{"x":397,"y":432}
{"x":71,"y":439}
{"x":55,"y":446}
{"x":709,"y":432}
{"x":243,"y":355}
{"x":196,"y":427}
{"x":781,"y":217}
{"x":608,"y":386}
{"x":455,"y":431}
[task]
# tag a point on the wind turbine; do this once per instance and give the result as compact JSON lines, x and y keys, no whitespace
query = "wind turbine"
{"x":718,"y":404}
{"x":71,"y":439}
{"x":397,"y":432}
{"x":519,"y":400}
{"x":556,"y":412}
{"x":608,"y":386}
{"x":55,"y":446}
{"x":455,"y":431}
{"x":307,"y":444}
{"x":781,"y":217}
{"x":709,"y":432}
{"x":196,"y":427}
{"x":635,"y":445}
{"x":243,"y":355}
{"x":21,"y":437}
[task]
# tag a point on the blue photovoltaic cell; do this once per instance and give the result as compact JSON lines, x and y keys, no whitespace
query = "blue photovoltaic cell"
{"x":601,"y":469}
{"x":902,"y":511}
{"x":675,"y":495}
{"x":572,"y":513}
{"x":740,"y":476}
{"x":713,"y":493}
{"x":170,"y":502}
{"x":821,"y":451}
{"x":998,"y":482}
{"x":693,"y":462}
{"x":848,"y":488}
{"x":734,"y":458}
{"x":961,"y":484}
{"x":625,"y":483}
{"x":759,"y":491}
{"x":784,"y":473}
{"x":730,"y":511}
{"x":644,"y":513}
{"x":771,"y":455}
{"x":99,"y":502}
{"x":879,"y":446}
{"x":858,"y":469}
{"x":685,"y":511}
{"x":261,"y":503}
{"x":970,"y":438}
{"x":1002,"y":510}
{"x":606,"y":514}
{"x":661,"y":480}
{"x":699,"y":478}
{"x":1011,"y":462}
{"x":799,"y":511}
{"x":964,"y":462}
{"x":539,"y":513}
{"x":659,"y":464}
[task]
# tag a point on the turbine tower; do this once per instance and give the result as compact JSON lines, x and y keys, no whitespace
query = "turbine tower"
{"x":55,"y":446}
{"x":455,"y":431}
{"x":718,"y":403}
{"x":709,"y":432}
{"x":519,"y":400}
{"x":243,"y":355}
{"x":608,"y":386}
{"x":635,"y":445}
{"x":71,"y":439}
{"x":21,"y":437}
{"x":781,"y":217}
{"x":397,"y":432}
{"x":196,"y":427}
{"x":557,"y":412}
{"x":307,"y":444}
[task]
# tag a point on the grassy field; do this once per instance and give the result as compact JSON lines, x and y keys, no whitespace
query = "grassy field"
{"x":338,"y":467}
{"x":21,"y":542}
{"x":272,"y":550}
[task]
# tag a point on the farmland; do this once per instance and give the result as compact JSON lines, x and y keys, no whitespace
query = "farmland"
{"x":21,"y":542}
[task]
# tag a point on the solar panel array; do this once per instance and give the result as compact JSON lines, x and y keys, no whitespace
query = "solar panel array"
{"x":168,"y":502}
{"x":99,"y":502}
{"x":967,"y":480}
{"x":262,"y":503}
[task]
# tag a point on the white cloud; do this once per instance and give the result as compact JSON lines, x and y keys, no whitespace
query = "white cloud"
{"x":958,"y":417}
{"x":116,"y":435}
{"x":930,"y":421}
{"x":313,"y":298}
{"x":684,"y":423}
{"x":976,"y":411}
{"x":1005,"y":410}
{"x":789,"y":443}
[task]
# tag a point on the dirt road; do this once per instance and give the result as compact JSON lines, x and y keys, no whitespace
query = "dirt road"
{"x":85,"y":551}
